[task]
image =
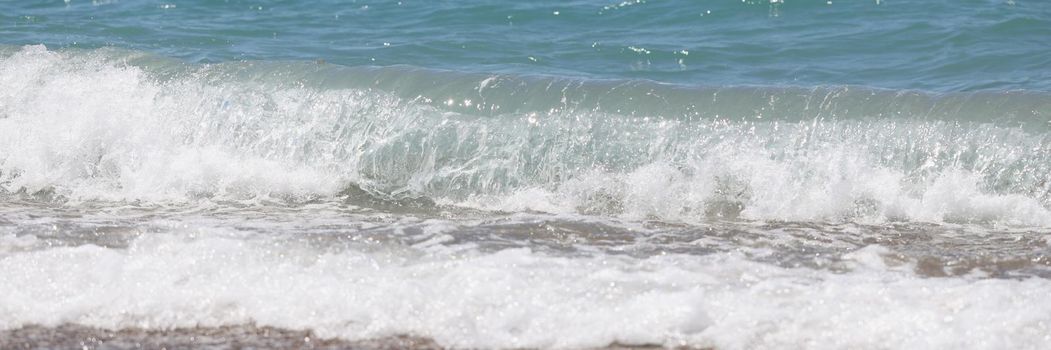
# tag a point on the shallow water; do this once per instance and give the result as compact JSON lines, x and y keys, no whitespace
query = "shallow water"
{"x":578,"y":175}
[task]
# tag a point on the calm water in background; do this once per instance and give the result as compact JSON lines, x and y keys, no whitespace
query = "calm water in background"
{"x":729,"y":174}
{"x":929,"y":45}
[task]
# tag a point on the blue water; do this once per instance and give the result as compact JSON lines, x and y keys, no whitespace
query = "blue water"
{"x":939,"y":45}
{"x":532,"y":174}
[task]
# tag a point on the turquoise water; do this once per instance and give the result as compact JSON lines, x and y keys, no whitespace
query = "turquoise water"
{"x":940,"y":45}
{"x":495,"y":174}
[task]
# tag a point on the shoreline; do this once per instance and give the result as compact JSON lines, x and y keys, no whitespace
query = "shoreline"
{"x":69,"y":336}
{"x":246,"y":336}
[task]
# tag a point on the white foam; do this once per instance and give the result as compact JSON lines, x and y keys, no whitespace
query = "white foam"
{"x":89,"y":127}
{"x":517,"y":298}
{"x":828,"y":186}
{"x":102,"y":131}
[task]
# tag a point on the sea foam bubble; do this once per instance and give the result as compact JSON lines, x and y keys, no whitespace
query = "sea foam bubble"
{"x":515,"y":298}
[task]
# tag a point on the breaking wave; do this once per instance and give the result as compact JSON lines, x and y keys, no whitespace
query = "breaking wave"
{"x":115,"y":125}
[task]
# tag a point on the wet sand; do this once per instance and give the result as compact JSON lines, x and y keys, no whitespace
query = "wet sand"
{"x":71,"y":336}
{"x":227,"y":337}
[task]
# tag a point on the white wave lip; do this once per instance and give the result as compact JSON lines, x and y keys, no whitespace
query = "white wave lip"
{"x":98,"y":130}
{"x":515,"y":298}
{"x":89,"y":127}
{"x":766,"y":190}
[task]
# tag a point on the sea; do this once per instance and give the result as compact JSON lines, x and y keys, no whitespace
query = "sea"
{"x":495,"y":174}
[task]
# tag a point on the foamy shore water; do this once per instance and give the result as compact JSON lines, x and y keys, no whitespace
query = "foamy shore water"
{"x":516,"y":298}
{"x":143,"y":198}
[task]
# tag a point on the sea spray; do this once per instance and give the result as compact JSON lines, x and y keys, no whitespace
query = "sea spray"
{"x":111,"y":125}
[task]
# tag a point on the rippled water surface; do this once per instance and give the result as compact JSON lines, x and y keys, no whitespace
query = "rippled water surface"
{"x":939,"y":45}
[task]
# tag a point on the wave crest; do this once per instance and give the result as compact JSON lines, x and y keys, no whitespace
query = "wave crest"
{"x":125,"y":126}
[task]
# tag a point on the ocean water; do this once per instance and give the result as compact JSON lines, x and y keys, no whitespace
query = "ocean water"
{"x":543,"y":174}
